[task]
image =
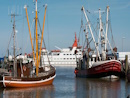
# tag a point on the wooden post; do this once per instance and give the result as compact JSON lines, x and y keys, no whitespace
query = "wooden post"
{"x":87,"y":63}
{"x":126,"y":64}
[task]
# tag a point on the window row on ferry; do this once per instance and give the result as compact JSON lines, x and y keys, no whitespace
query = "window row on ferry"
{"x":71,"y":54}
{"x":64,"y":58}
{"x":64,"y":62}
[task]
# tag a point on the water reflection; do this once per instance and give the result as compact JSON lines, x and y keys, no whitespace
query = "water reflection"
{"x":100,"y":88}
{"x":37,"y":92}
{"x":66,"y":85}
{"x":65,"y":82}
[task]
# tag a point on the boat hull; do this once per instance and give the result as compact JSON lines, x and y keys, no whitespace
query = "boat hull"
{"x":102,"y":70}
{"x":18,"y":83}
{"x":43,"y":78}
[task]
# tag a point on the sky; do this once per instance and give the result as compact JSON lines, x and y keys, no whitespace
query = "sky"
{"x":63,"y":19}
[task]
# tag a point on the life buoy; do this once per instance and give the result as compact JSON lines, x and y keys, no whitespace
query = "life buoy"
{"x":24,"y":68}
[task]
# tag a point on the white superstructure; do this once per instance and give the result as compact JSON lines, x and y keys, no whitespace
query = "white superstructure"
{"x":121,"y":56}
{"x":63,"y":57}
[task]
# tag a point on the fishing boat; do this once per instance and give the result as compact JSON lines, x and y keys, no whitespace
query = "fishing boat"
{"x":29,"y":73}
{"x":107,"y":69}
{"x":99,"y":63}
{"x":64,"y":56}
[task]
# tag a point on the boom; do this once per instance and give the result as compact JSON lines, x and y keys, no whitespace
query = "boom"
{"x":30,"y":32}
{"x":91,"y":33}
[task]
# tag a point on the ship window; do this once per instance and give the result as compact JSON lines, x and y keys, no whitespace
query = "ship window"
{"x":91,"y":59}
{"x":73,"y":58}
{"x":95,"y":59}
{"x":67,"y":54}
{"x":98,"y":58}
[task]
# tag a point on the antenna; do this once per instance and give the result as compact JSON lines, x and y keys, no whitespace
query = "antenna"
{"x":13,"y":14}
{"x":14,"y":10}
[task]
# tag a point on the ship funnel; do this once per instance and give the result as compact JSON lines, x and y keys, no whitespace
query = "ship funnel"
{"x":75,"y":44}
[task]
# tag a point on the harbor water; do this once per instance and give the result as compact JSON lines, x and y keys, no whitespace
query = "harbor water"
{"x":66,"y":85}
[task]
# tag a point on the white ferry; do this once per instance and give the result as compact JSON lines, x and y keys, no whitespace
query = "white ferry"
{"x":121,"y":56}
{"x":62,"y":57}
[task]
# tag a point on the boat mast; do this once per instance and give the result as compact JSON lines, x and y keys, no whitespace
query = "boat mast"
{"x":103,"y":52}
{"x":91,"y":32}
{"x":15,"y":67}
{"x":36,"y":18}
{"x":106,"y":39}
{"x":99,"y":39}
{"x":14,"y":35}
{"x":101,"y":29}
{"x":106,"y":28}
{"x":38,"y":53}
{"x":86,"y":35}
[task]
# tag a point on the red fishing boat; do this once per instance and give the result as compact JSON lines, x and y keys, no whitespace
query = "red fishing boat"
{"x":98,"y":63}
{"x":108,"y":68}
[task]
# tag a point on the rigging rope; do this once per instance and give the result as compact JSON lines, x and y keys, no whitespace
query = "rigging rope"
{"x":43,"y":41}
{"x":28,"y":38}
{"x":22,"y":34}
{"x":9,"y":43}
{"x":80,"y":28}
{"x":48,"y":32}
{"x":111,"y":30}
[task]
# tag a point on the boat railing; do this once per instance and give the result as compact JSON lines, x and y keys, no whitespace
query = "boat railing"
{"x":44,"y":73}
